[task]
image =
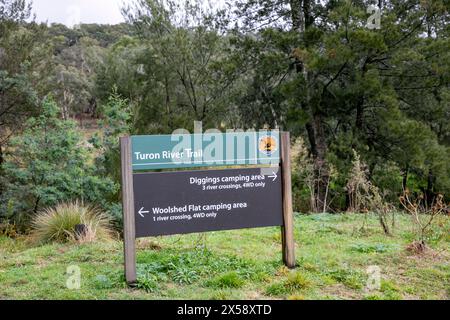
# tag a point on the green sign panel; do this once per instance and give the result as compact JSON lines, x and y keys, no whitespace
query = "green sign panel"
{"x":205,"y":150}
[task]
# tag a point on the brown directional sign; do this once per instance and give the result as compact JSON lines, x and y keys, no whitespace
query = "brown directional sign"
{"x":199,"y":201}
{"x":181,"y":202}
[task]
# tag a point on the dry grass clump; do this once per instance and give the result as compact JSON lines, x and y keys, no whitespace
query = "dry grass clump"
{"x":72,"y":222}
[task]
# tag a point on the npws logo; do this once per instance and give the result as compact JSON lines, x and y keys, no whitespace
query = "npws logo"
{"x":268,"y":145}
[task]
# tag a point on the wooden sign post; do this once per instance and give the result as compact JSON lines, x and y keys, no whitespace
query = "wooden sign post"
{"x":287,"y":230}
{"x":182,"y":202}
{"x":129,"y":226}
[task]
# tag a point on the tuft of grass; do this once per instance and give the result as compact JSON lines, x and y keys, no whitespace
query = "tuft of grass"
{"x":276,"y":289}
{"x":297,"y":281}
{"x":102,"y":282}
{"x":348,"y":277}
{"x":59,"y":224}
{"x":220,"y":295}
{"x":227,"y":280}
{"x":294,"y":282}
{"x":149,"y":283}
{"x":370,"y":248}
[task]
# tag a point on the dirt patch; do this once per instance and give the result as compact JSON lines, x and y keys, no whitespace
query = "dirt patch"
{"x":341,"y":291}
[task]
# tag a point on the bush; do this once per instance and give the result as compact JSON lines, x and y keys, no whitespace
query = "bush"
{"x":59,"y":224}
{"x":46,"y":164}
{"x":425,"y":217}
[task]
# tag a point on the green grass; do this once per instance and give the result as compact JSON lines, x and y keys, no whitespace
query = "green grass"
{"x":333,"y":255}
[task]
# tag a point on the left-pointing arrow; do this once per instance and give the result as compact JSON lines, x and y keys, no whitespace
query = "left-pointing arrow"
{"x":142,"y":211}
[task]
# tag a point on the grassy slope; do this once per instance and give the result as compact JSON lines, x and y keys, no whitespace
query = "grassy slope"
{"x":333,"y":256}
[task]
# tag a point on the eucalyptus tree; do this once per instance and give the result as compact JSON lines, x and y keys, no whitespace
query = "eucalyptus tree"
{"x":179,"y":65}
{"x":365,"y":75}
{"x":17,"y":97}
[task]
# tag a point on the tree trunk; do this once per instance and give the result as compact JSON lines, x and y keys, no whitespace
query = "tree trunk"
{"x":405,"y":178}
{"x":297,"y":15}
{"x":429,"y":192}
{"x":1,"y":157}
{"x":359,"y":114}
{"x":36,"y":205}
{"x":320,"y":164}
{"x":301,"y":21}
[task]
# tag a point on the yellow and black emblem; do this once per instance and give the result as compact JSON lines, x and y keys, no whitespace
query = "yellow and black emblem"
{"x":268,"y":145}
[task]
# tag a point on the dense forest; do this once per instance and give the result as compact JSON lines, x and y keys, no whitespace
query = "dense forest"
{"x":367,"y":103}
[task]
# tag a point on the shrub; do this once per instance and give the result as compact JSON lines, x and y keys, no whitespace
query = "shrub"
{"x":365,"y":196}
{"x":8,"y":229}
{"x":424,"y":217}
{"x":306,"y":179}
{"x":46,"y":164}
{"x":60,"y":223}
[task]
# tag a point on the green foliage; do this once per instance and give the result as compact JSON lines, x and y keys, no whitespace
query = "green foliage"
{"x":347,"y":276}
{"x":59,"y":224}
{"x":18,"y":98}
{"x":69,"y":63}
{"x":297,"y":281}
{"x":227,"y":280}
{"x":320,"y":262}
{"x":294,"y":282}
{"x":370,"y":248}
{"x":311,"y":67}
{"x":48,"y":163}
{"x":103,"y":282}
{"x":276,"y":289}
{"x":116,"y":122}
{"x":193,"y":265}
{"x":148,"y":283}
{"x":16,"y":10}
{"x":176,"y":73}
{"x":343,"y":86}
{"x":184,"y":275}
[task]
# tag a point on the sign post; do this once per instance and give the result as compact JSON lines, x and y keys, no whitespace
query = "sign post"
{"x":182,"y":202}
{"x":129,"y":226}
{"x":287,"y":230}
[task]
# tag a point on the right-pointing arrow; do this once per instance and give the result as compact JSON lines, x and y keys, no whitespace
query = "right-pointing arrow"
{"x":142,"y":211}
{"x":274,"y":176}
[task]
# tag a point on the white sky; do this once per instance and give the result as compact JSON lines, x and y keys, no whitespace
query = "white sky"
{"x":72,"y":12}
